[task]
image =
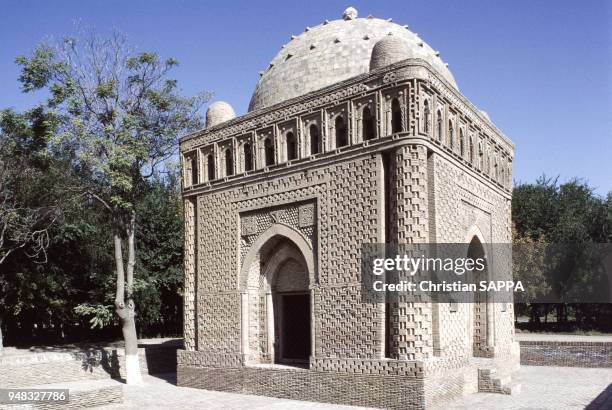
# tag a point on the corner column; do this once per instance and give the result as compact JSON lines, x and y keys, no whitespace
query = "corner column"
{"x":190,"y":298}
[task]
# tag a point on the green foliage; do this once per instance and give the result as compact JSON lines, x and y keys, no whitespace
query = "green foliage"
{"x":101,"y":144}
{"x":569,"y":212}
{"x":121,"y":114}
{"x":37,"y":70}
{"x":25,"y":210}
{"x":529,"y":266}
{"x":573,"y":218}
{"x":101,"y":315}
{"x":160,"y":258}
{"x":75,"y":289}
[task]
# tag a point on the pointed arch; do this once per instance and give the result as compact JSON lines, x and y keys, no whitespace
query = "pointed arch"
{"x":367,"y":124}
{"x":210,"y":167}
{"x":341,"y":131}
{"x":268,"y":152}
{"x":439,"y":130}
{"x":315,"y":141}
{"x":291,"y":146}
{"x":248,"y":156}
{"x":229,"y":162}
{"x":281,"y":230}
{"x":426,"y":119}
{"x":396,"y":116}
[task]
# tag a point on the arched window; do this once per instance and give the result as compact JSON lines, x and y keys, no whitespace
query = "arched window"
{"x":268,"y":152}
{"x":480,"y":156}
{"x":439,"y":127}
{"x":341,"y":132}
{"x":396,"y":116}
{"x":229,"y":162}
{"x":461,"y":143}
{"x":194,"y":171}
{"x":291,"y":146}
{"x":471,"y":150}
{"x":426,"y":118}
{"x":451,"y":135}
{"x":210,"y":167}
{"x":367,"y":124}
{"x":248,"y":156}
{"x":315,"y":142}
{"x":495,"y":169}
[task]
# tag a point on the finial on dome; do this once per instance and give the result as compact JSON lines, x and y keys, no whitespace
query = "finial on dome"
{"x":350,"y":13}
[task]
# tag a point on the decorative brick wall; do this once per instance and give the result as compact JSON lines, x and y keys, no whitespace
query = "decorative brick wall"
{"x":436,"y":193}
{"x":567,"y":354}
{"x":390,"y":392}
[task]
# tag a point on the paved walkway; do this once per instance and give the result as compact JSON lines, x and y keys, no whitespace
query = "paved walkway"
{"x":557,"y":388}
{"x":548,"y":337}
{"x":547,"y":387}
{"x":162,"y":394}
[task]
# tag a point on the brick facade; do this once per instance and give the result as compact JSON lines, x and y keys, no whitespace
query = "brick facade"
{"x":406,"y":185}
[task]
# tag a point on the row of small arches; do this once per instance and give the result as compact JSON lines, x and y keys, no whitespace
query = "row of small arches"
{"x":368,"y":132}
{"x":483,"y":162}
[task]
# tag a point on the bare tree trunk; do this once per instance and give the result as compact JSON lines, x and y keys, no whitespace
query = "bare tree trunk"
{"x":126,"y":311}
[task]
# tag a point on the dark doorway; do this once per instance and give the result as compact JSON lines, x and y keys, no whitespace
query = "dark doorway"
{"x":479,"y":315}
{"x":294,"y":328}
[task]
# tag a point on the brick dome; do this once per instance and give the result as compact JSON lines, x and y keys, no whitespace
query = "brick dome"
{"x":219,"y":112}
{"x":335,"y":51}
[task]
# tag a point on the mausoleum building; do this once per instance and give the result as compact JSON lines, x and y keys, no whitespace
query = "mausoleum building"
{"x":356,"y":133}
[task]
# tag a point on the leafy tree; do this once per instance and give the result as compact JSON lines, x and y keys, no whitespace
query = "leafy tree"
{"x":529,"y":267}
{"x":23,"y":158}
{"x":573,"y":218}
{"x":122,"y":116}
{"x":26,"y":212}
{"x":160,"y":259}
{"x":157,"y":288}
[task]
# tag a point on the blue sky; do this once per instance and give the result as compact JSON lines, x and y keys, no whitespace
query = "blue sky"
{"x":541,"y":69}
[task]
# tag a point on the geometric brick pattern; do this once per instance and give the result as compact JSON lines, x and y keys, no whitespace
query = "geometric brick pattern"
{"x":566,"y":353}
{"x":426,"y":188}
{"x":391,"y":392}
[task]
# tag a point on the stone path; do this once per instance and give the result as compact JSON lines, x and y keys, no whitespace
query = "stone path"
{"x":162,"y":394}
{"x":557,"y":388}
{"x":547,"y":387}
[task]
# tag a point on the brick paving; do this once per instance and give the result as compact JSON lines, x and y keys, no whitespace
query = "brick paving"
{"x":547,"y":387}
{"x":161,"y":393}
{"x":557,"y":388}
{"x":553,"y":337}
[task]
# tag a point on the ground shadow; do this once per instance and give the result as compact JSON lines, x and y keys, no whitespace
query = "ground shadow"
{"x":167,"y":377}
{"x":603,"y":401}
{"x":159,"y":356}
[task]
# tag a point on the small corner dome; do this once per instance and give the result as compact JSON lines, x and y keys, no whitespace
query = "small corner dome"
{"x":388,"y":50}
{"x":219,"y":112}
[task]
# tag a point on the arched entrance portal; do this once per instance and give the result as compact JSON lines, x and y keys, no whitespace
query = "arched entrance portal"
{"x":277,"y":310}
{"x":286,"y":269}
{"x":480,"y":313}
